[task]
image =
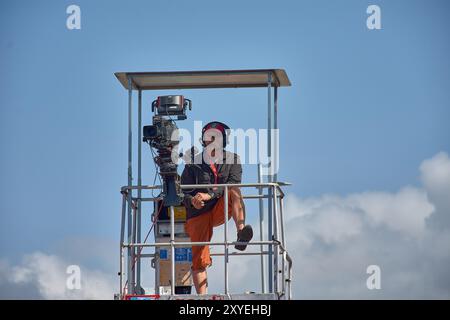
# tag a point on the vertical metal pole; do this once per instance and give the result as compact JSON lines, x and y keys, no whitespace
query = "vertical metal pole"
{"x":275,"y":179}
{"x":261,"y":230}
{"x":275,"y":231}
{"x":133,"y":254}
{"x":157,"y":250}
{"x":172,"y":251}
{"x":122,"y":266}
{"x":269,"y":178}
{"x":139,"y":202}
{"x":283,"y":274}
{"x":122,"y":237}
{"x":130,"y":181}
{"x":275,"y":127}
{"x":225,"y":237}
{"x":269,"y":124}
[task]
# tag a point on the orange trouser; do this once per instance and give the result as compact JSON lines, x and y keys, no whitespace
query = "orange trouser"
{"x":200,"y":229}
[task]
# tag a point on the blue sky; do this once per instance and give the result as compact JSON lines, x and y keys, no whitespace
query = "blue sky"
{"x":364,"y":110}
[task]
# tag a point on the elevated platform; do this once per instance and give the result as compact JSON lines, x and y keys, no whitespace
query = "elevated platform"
{"x":275,"y":267}
{"x":234,"y":296}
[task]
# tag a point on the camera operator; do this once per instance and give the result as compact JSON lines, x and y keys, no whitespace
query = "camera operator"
{"x":205,"y":207}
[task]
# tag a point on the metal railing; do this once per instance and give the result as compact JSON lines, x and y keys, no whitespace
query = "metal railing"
{"x":279,"y":261}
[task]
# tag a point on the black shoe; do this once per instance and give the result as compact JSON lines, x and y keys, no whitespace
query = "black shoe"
{"x":244,"y":235}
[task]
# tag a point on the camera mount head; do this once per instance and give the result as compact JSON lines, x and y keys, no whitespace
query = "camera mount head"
{"x":171,"y":106}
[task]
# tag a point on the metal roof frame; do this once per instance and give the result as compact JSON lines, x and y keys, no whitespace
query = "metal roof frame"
{"x":203,"y":79}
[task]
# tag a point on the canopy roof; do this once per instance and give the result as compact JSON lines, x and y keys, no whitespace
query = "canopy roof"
{"x":204,"y":79}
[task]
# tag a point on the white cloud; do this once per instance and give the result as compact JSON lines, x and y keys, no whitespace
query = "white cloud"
{"x":435,"y":175}
{"x":43,"y":276}
{"x":404,"y":211}
{"x":331,"y":238}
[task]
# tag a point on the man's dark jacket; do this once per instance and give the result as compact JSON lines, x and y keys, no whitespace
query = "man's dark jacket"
{"x":230,"y":171}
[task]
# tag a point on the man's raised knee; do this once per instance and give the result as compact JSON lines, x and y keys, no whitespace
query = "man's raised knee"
{"x":235,"y":193}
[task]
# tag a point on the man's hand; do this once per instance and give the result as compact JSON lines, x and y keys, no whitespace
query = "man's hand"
{"x":198,"y":201}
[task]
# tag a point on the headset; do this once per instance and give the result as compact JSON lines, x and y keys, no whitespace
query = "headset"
{"x":222,"y":127}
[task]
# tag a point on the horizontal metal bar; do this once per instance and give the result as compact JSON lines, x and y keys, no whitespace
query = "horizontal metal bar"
{"x":243,"y":185}
{"x":255,"y":196}
{"x":205,"y":243}
{"x":151,"y":199}
{"x":147,"y":255}
{"x":126,"y":188}
{"x":241,"y":253}
{"x":196,"y":186}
